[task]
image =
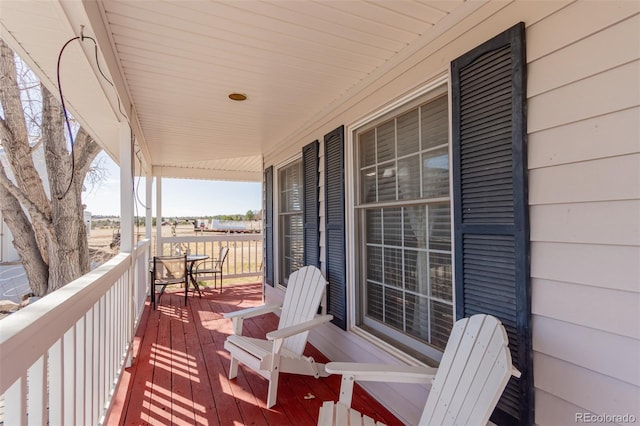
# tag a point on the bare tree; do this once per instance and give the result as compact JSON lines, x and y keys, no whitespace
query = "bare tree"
{"x":46,"y":220}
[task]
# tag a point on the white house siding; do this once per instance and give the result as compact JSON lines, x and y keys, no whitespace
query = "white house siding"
{"x":8,"y":252}
{"x":584,"y":191}
{"x":584,"y":162}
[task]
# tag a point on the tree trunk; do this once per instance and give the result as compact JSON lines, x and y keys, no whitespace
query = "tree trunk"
{"x":24,"y":241}
{"x":50,"y":235}
{"x":65,"y":260}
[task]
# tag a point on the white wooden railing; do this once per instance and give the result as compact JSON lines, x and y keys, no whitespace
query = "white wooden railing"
{"x":245,"y":251}
{"x":62,"y":357}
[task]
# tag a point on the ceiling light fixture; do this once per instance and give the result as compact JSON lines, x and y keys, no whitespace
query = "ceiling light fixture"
{"x":238,"y":97}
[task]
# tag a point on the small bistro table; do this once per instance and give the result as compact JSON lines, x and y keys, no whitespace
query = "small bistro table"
{"x":191,"y":261}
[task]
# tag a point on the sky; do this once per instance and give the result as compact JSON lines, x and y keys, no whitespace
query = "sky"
{"x":180,"y":197}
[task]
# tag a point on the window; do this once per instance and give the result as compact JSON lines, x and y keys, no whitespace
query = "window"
{"x":404,"y":218}
{"x":290,"y":220}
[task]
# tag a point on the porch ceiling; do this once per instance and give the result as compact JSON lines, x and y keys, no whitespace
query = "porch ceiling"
{"x":175,"y":62}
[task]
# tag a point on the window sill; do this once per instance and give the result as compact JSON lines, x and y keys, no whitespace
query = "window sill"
{"x":394,"y":351}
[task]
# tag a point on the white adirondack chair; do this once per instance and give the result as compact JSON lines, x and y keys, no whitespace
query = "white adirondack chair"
{"x":282,"y":351}
{"x":474,"y":370}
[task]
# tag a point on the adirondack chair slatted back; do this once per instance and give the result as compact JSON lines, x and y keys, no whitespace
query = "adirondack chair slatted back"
{"x":475,"y":368}
{"x":301,"y":302}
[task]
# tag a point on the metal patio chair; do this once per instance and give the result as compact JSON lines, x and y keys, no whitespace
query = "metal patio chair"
{"x":212,"y":268}
{"x":168,"y":270}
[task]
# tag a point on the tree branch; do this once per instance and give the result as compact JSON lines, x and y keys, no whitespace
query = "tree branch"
{"x":24,"y":240}
{"x":15,"y":137}
{"x":86,"y":151}
{"x":5,"y":131}
{"x":34,"y":211}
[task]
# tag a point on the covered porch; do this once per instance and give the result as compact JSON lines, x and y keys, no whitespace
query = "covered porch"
{"x":180,"y":369}
{"x":154,"y":83}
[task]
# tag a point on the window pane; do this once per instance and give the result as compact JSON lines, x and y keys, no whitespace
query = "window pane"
{"x":435,"y":173}
{"x":393,"y":267}
{"x":291,"y":188}
{"x":392,"y":226}
{"x":435,"y":123}
{"x":441,"y":323}
{"x":415,"y":227}
{"x":440,"y":227}
{"x":292,"y":244}
{"x":367,"y":148}
{"x":368,"y":185}
{"x":417,"y":271}
{"x":409,"y":178}
{"x":417,"y":316}
{"x":387,"y":181}
{"x":374,"y":301}
{"x":440,"y":275}
{"x":393,"y":308}
{"x":374,"y":226}
{"x":291,"y":250}
{"x":386,"y":141}
{"x":408,"y":135}
{"x":374,"y":263}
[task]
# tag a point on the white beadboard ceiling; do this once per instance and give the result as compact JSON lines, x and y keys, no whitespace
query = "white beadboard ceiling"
{"x":175,"y":62}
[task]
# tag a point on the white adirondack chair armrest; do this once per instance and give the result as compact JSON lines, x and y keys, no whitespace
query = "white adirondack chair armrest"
{"x":252,"y":312}
{"x":515,"y":372}
{"x":382,"y":372}
{"x":298,"y":328}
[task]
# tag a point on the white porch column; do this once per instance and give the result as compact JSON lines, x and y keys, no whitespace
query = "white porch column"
{"x":126,"y":221}
{"x":147,"y":202}
{"x":126,"y":194}
{"x":157,"y":173}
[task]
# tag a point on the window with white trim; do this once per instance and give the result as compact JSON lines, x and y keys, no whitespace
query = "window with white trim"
{"x":291,"y":244}
{"x":403,"y":218}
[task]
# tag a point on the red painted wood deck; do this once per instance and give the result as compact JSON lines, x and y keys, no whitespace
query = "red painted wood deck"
{"x":179,"y":373}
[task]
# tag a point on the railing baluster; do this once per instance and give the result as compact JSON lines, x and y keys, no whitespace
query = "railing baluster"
{"x":68,"y":380}
{"x":15,"y":402}
{"x":110,"y":340}
{"x":80,"y":372}
{"x":56,"y":381}
{"x":102,"y":352}
{"x":88,"y":366}
{"x":244,"y":250}
{"x":95,"y":366}
{"x":37,"y":401}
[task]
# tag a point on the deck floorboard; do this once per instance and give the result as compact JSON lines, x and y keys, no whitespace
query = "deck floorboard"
{"x":180,"y":368}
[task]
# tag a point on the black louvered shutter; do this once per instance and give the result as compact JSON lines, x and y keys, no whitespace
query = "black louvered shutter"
{"x":310,"y":209}
{"x":334,"y":217}
{"x":490,"y":202}
{"x":268,"y":225}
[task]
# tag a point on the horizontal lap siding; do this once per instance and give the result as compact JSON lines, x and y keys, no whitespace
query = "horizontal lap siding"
{"x":569,"y":341}
{"x":606,"y":266}
{"x":584,"y":177}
